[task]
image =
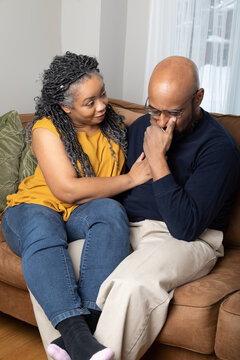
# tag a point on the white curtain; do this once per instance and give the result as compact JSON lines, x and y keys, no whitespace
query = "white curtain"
{"x":206,"y":31}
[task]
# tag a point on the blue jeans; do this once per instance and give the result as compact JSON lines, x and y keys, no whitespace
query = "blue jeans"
{"x":40,"y":236}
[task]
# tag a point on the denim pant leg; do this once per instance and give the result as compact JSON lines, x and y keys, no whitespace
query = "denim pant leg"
{"x":103,"y":224}
{"x":38,"y":234}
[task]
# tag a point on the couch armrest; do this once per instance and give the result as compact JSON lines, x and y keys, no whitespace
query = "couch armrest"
{"x":227,"y":344}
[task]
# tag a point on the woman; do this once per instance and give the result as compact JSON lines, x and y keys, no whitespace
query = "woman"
{"x":80,"y":145}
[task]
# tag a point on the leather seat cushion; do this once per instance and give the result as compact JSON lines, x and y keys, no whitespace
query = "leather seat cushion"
{"x":193,"y":313}
{"x":10,"y":266}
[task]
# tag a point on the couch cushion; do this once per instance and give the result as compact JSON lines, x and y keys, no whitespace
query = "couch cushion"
{"x":193,"y":313}
{"x":227,"y":345}
{"x":10,"y":266}
{"x":12,"y":137}
{"x":159,"y":351}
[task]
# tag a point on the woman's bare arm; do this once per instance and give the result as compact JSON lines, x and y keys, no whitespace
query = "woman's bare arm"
{"x":61,"y":176}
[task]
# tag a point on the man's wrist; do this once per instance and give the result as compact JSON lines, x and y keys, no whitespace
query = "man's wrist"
{"x":159,"y":167}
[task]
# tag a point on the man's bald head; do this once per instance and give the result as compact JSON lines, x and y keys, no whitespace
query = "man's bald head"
{"x":175,"y":75}
{"x":174,"y":86}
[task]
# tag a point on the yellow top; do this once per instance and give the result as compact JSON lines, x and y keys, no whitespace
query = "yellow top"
{"x":34,"y":189}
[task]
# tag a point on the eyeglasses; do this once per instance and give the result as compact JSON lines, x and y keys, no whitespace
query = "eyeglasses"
{"x":169,"y":113}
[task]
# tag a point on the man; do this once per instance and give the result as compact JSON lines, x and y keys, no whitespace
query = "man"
{"x":177,"y":219}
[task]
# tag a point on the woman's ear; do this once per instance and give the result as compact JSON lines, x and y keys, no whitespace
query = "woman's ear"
{"x":65,"y":108}
{"x":199,"y":97}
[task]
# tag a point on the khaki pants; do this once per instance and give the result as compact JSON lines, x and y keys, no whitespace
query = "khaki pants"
{"x":135,"y":297}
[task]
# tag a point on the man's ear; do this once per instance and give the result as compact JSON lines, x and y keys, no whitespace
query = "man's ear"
{"x":199,"y":97}
{"x":65,"y":108}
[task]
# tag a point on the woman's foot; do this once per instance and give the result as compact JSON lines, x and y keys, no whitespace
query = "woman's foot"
{"x":58,"y":353}
{"x":106,"y":354}
{"x":79,"y":342}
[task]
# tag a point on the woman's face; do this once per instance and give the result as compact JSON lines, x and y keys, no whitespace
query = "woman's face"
{"x":88,"y":109}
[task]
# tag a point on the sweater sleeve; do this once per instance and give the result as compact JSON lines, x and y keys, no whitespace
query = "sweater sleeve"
{"x":188,"y":210}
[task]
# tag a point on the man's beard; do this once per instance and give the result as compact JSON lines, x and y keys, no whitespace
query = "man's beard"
{"x":178,"y":136}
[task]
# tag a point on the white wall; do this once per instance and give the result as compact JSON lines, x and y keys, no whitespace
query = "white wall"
{"x":136,"y":50}
{"x":116,"y":32}
{"x":123,"y":47}
{"x":81,"y":26}
{"x":112,"y":45}
{"x":32,"y":32}
{"x":29,"y":38}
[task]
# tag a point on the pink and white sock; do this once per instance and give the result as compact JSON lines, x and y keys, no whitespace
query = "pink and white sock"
{"x":105,"y":354}
{"x":57,"y":353}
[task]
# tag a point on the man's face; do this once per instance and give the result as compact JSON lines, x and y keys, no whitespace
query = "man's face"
{"x":180,"y":107}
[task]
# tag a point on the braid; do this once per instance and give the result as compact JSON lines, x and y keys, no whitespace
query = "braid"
{"x":114,"y":128}
{"x":64,"y":71}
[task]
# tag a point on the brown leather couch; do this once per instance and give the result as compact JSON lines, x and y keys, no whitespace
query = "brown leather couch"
{"x":204,"y":316}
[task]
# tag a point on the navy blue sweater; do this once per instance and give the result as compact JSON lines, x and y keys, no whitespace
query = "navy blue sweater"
{"x":205,"y":171}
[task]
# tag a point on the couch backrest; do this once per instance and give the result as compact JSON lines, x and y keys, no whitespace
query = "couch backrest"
{"x":231,"y":122}
{"x":25,"y":118}
{"x":232,"y":233}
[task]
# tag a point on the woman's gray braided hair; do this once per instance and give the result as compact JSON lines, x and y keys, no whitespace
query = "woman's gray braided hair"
{"x":63,"y":71}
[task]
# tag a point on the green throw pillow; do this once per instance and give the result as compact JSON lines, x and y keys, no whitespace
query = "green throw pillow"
{"x":28,"y":163}
{"x":12,"y":141}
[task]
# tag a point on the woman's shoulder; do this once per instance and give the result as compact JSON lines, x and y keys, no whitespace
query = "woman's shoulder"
{"x":45,"y":123}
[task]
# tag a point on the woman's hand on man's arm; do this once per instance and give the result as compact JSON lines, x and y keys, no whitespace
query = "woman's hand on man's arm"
{"x":62,"y":179}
